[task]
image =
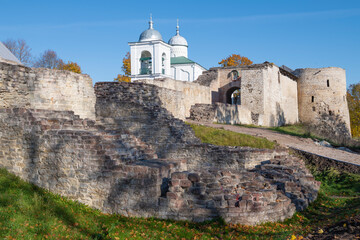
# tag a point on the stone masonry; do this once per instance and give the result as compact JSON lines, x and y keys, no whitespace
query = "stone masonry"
{"x":40,"y":88}
{"x":136,"y":159}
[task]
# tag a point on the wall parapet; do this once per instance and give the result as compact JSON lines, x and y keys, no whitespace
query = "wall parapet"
{"x":41,"y":88}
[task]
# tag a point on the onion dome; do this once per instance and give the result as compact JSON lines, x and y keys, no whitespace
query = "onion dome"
{"x":150,"y":34}
{"x":178,"y":40}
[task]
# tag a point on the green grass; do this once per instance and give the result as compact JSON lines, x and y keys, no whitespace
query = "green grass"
{"x":227,"y":138}
{"x":339,"y":183}
{"x":29,"y":212}
{"x":298,"y":130}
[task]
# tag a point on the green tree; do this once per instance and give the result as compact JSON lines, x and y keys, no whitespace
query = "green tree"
{"x":235,"y":60}
{"x":353,"y":99}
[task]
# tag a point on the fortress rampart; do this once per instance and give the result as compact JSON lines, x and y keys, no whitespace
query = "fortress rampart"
{"x":136,"y":159}
{"x":40,"y":88}
{"x":182,"y":95}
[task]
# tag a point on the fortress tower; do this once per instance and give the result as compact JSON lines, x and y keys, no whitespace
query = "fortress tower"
{"x":322,"y":90}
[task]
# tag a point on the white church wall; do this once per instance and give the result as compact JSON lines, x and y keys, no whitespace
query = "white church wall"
{"x":198,"y":71}
{"x":186,"y":72}
{"x":156,"y":49}
{"x":179,"y":51}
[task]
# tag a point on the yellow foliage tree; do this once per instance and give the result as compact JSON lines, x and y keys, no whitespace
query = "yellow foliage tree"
{"x":126,"y":69}
{"x":235,"y":60}
{"x":353,"y":98}
{"x":70,"y":66}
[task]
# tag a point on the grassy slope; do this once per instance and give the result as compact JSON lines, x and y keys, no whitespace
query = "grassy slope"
{"x":295,"y":130}
{"x":29,"y":212}
{"x":228,"y":138}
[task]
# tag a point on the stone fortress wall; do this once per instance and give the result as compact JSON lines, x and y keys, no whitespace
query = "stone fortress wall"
{"x":274,"y":96}
{"x":182,"y":95}
{"x":136,"y":159}
{"x":322,"y":91}
{"x":39,"y":88}
{"x":268,"y":95}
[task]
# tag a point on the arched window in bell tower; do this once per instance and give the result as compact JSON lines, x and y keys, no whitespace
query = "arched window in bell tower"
{"x":145,"y":63}
{"x":163,"y":63}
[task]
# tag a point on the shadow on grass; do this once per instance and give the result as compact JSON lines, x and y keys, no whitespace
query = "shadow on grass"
{"x":27,"y":205}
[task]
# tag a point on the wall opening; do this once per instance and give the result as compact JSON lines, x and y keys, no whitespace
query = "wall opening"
{"x":146,"y":63}
{"x":328,"y":83}
{"x":233,"y":96}
{"x":233,"y":75}
{"x":314,"y":109}
{"x":279,"y":75}
{"x":163,"y":61}
{"x":312,"y":98}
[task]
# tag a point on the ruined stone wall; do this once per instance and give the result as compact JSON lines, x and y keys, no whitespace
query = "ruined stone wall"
{"x":138,"y":160}
{"x":322,"y":91}
{"x":137,"y":108}
{"x":253,"y":92}
{"x":240,"y":196}
{"x":186,"y":95}
{"x":223,"y":113}
{"x":46,"y":89}
{"x":77,"y":159}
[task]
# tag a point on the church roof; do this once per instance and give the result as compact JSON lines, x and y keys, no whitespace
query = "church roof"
{"x":183,"y":60}
{"x":6,"y":54}
{"x":180,"y":60}
{"x":150,"y":34}
{"x":178,"y":40}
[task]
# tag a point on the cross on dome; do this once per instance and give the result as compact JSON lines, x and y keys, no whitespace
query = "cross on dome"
{"x":178,"y":40}
{"x":150,"y":34}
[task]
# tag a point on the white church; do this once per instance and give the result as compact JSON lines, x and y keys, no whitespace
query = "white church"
{"x":152,"y":58}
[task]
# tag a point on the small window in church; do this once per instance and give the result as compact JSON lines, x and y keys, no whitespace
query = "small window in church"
{"x":312,"y":98}
{"x":328,"y":83}
{"x":314,"y":109}
{"x":163,"y":62}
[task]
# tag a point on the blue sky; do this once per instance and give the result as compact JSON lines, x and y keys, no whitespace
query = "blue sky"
{"x":296,"y":33}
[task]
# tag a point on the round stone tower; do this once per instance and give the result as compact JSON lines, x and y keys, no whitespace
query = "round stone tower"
{"x":322,"y":90}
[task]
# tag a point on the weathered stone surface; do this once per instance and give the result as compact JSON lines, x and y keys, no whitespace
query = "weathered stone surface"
{"x":23,"y":87}
{"x":137,"y":160}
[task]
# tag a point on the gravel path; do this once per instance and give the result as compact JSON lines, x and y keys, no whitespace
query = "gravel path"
{"x":305,"y":144}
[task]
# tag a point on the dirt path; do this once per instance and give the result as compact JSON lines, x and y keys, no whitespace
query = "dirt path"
{"x":305,"y":144}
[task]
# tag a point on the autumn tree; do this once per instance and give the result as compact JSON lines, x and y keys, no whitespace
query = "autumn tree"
{"x":20,"y":49}
{"x":70,"y":66}
{"x":49,"y":59}
{"x":235,"y":60}
{"x":126,"y":68}
{"x":353,"y":99}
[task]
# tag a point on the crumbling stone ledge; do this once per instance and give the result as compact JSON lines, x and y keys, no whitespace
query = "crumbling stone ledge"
{"x":324,"y":163}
